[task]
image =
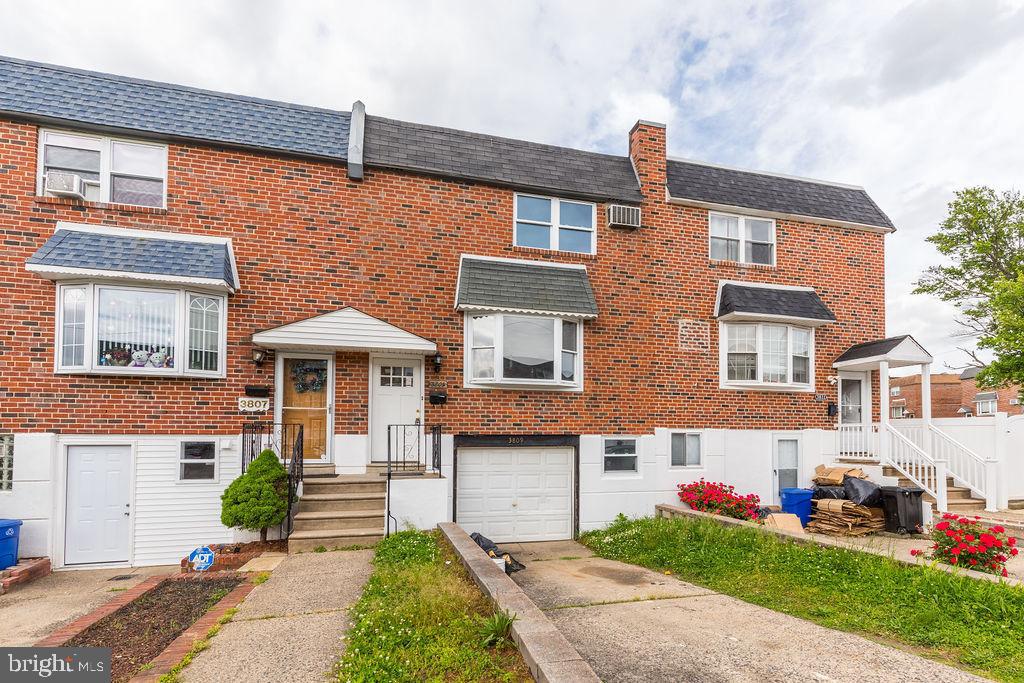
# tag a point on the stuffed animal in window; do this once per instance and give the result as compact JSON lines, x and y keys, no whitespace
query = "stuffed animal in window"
{"x":140,"y":359}
{"x":158,"y":359}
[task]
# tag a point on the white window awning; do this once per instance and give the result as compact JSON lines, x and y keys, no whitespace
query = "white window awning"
{"x":347,"y":329}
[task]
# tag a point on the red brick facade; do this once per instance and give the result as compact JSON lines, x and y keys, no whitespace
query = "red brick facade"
{"x":945,"y":395}
{"x":307,"y":240}
{"x":969,"y":391}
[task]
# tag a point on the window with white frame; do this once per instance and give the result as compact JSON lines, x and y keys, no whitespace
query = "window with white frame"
{"x":766,"y":354}
{"x":895,"y":391}
{"x":985,"y":406}
{"x":743,"y":239}
{"x":112,"y":170}
{"x":6,"y":462}
{"x":558,"y":224}
{"x":899,"y":412}
{"x":197,"y":461}
{"x":620,"y":454}
{"x":523,"y":349}
{"x":140,"y":330}
{"x":685,"y":449}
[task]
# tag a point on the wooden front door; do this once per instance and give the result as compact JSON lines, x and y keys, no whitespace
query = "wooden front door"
{"x":305,"y":388}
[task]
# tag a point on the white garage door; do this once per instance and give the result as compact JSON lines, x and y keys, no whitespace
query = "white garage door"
{"x":515,"y":494}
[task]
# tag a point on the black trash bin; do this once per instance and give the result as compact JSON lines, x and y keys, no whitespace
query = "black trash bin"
{"x":902,"y":506}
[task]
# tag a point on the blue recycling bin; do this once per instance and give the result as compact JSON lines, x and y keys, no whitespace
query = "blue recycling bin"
{"x":10,"y":532}
{"x":798,"y":502}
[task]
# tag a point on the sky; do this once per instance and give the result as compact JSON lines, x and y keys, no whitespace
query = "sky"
{"x":912,"y":100}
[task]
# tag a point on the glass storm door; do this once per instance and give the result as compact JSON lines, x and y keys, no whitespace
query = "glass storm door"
{"x":305,"y":400}
{"x":787,"y":465}
{"x":853,"y":433}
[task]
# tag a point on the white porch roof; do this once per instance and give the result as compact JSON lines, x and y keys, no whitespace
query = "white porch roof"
{"x":347,"y":329}
{"x":898,"y":352}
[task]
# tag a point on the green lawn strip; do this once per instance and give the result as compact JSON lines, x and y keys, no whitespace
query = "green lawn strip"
{"x":977,"y":625}
{"x":420,"y":618}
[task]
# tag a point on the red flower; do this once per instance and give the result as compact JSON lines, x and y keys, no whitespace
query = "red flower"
{"x":942,"y":526}
{"x":1005,"y":573}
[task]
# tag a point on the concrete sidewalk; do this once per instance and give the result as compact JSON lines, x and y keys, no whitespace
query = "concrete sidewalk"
{"x":632,"y":624}
{"x":289,"y":628}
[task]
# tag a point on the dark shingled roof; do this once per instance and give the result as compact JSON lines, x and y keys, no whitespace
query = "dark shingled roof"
{"x":130,"y":254}
{"x":794,"y":303}
{"x":986,"y":396}
{"x":752,"y":190}
{"x":505,"y":285}
{"x":57,"y":93}
{"x":870,"y":349}
{"x":970,"y":373}
{"x":515,"y":163}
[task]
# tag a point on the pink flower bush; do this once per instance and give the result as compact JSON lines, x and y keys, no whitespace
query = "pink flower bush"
{"x":720,"y":499}
{"x":966,"y":542}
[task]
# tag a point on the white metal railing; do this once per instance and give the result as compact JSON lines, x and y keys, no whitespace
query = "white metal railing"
{"x":915,"y":464}
{"x":857,"y":442}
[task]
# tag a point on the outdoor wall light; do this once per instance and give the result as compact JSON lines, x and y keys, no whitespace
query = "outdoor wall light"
{"x":258,"y":356}
{"x":437,"y":362}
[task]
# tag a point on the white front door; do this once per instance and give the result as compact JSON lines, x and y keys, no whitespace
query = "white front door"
{"x":396,"y":398}
{"x":515,"y":494}
{"x":855,"y":431}
{"x":98,"y":520}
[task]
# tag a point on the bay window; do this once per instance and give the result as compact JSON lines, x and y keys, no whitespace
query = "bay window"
{"x":139,"y":330}
{"x":506,"y":348}
{"x":558,"y":224}
{"x":112,"y":170}
{"x":767,"y":355}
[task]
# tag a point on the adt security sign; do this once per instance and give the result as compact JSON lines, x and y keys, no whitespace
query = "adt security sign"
{"x":201,"y":558}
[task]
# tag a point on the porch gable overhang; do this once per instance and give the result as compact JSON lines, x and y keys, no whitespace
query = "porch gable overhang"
{"x":898,"y":352}
{"x":347,"y":329}
{"x":756,"y":301}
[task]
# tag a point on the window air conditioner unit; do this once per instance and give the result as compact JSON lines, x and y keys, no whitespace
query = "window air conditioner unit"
{"x":62,"y":184}
{"x":622,"y":216}
{"x":1014,"y":401}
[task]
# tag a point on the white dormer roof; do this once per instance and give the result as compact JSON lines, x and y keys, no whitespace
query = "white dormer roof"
{"x":347,"y":329}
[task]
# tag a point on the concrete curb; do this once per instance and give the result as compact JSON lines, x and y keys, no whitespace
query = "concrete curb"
{"x":547,"y":653}
{"x":669,"y":511}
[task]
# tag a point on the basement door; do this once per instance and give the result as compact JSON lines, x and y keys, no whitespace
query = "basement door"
{"x":97,"y":524}
{"x":515,"y":494}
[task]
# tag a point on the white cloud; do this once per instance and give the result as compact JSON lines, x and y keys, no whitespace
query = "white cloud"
{"x":910,"y":99}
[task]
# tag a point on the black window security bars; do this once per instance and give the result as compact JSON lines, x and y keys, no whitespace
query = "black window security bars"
{"x":411,"y":452}
{"x":286,"y":442}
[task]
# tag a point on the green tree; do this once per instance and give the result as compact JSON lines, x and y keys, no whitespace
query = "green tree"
{"x":983,"y":239}
{"x":258,"y":499}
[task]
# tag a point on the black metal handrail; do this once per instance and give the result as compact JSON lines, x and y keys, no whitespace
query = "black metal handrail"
{"x":286,"y":440}
{"x":407,"y":455}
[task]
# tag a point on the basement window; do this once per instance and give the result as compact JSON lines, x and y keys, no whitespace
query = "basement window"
{"x":620,"y":454}
{"x":197,"y":461}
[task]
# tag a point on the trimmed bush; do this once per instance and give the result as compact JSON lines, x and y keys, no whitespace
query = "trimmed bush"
{"x":259,"y":498}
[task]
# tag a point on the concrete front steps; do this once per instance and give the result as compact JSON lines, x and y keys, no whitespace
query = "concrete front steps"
{"x":338,"y":511}
{"x":959,"y":499}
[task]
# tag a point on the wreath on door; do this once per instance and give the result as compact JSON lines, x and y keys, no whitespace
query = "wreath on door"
{"x":308,"y":377}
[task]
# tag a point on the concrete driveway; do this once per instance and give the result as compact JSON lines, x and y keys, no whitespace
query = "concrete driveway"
{"x":633,"y":624}
{"x":32,"y":611}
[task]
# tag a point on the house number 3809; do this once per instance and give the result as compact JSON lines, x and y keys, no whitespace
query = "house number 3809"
{"x":515,"y":440}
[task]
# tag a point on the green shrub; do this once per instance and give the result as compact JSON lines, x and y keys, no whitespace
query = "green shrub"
{"x":259,"y":498}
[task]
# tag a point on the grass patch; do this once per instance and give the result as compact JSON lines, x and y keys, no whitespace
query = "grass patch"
{"x":977,"y":625}
{"x":420,"y":618}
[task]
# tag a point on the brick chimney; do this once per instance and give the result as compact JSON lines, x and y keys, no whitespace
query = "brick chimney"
{"x":648,"y":151}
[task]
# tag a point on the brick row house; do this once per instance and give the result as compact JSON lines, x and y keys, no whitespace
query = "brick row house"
{"x":539,"y":337}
